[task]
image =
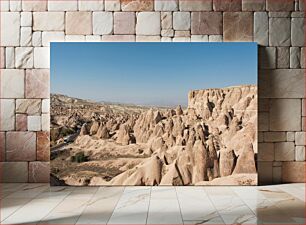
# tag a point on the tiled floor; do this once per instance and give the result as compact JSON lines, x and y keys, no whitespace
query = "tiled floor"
{"x":40,"y":204}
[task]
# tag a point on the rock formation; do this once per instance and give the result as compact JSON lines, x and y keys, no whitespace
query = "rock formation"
{"x":212,"y":141}
{"x":94,"y":128}
{"x":102,"y":132}
{"x":84,"y":130}
{"x":124,"y":137}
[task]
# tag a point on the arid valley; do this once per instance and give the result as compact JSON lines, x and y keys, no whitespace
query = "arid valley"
{"x":212,"y":141}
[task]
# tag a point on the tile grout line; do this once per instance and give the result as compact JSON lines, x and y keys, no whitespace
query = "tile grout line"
{"x":179,"y":205}
{"x":3,"y":219}
{"x":6,"y":197}
{"x":24,"y":188}
{"x":214,"y":206}
{"x":55,"y":207}
{"x":21,"y":207}
{"x":9,"y":193}
{"x":248,"y":205}
{"x":87,"y":204}
{"x":149,"y":205}
{"x":116,"y":205}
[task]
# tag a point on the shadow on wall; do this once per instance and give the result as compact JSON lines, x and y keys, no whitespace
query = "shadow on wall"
{"x":280,"y":94}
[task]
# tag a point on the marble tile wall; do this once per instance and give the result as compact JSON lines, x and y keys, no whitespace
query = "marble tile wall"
{"x":28,"y":27}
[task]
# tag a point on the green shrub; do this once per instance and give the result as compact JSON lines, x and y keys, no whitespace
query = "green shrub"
{"x":79,"y":157}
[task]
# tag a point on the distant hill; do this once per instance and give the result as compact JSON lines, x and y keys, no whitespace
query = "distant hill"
{"x":65,"y":99}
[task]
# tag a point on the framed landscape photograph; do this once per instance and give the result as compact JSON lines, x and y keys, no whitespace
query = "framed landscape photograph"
{"x":153,"y":114}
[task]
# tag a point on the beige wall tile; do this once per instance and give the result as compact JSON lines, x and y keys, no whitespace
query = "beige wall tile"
{"x":21,"y":122}
{"x":297,"y":32}
{"x":46,"y":106}
{"x":300,"y":138}
{"x":265,"y":152}
{"x":267,"y":57}
{"x":39,"y":172}
{"x":261,"y":28}
{"x":78,"y":23}
{"x":37,"y":39}
{"x":26,"y":19}
{"x":263,"y":121}
{"x":24,"y":57}
{"x":166,"y":20}
{"x":118,"y":38}
{"x":10,"y":28}
{"x":137,"y":5}
{"x":12,"y":83}
{"x":93,"y":38}
{"x":215,"y":38}
{"x":199,"y":38}
{"x":37,"y":83}
{"x":7,"y":114}
{"x":147,"y":38}
{"x":148,"y":23}
{"x":227,"y":5}
{"x":206,"y":23}
{"x":91,"y":5}
{"x":277,"y":174}
{"x":285,"y":115}
{"x":279,"y":32}
{"x":52,"y":36}
{"x":290,"y":136}
{"x":287,"y":5}
{"x":20,"y":146}
{"x":48,"y":21}
{"x":75,"y":38}
{"x":293,"y":172}
{"x":26,"y":36}
{"x":41,"y":57}
{"x":295,"y":57}
{"x":284,"y":151}
{"x":34,"y":123}
{"x":281,"y":83}
{"x":300,"y":153}
{"x":5,"y":5}
{"x":283,"y":57}
{"x":28,"y":106}
{"x":200,"y":5}
{"x":124,"y":22}
{"x":265,"y":173}
{"x":170,"y":5}
{"x":45,"y":122}
{"x":34,"y":5}
{"x":181,"y":21}
{"x":238,"y":26}
{"x":167,"y":33}
{"x":14,"y":172}
{"x":112,"y":5}
{"x":102,"y":23}
{"x":56,"y":5}
{"x":275,"y":136}
{"x":253,"y":5}
{"x":43,"y":146}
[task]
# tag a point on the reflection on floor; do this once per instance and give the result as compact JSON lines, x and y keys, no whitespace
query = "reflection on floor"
{"x":41,"y":204}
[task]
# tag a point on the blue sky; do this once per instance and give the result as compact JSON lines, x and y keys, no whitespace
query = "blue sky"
{"x":149,"y":73}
